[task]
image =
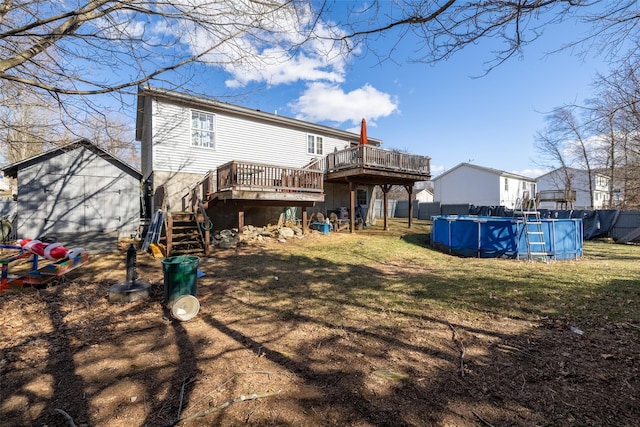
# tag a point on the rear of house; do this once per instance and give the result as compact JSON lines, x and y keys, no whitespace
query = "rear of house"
{"x":184,"y":137}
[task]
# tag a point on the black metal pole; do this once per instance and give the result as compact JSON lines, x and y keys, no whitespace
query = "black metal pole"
{"x":132,"y":275}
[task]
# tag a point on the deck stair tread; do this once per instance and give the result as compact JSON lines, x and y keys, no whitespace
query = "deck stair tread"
{"x":186,"y":237}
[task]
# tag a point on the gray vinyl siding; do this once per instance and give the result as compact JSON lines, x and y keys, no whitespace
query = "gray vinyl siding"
{"x":76,"y":191}
{"x":236,"y":138}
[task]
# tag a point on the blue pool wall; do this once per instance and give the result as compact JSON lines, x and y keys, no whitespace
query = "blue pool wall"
{"x":503,"y":237}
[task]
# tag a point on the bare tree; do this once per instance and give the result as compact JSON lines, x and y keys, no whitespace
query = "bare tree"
{"x":551,"y":145}
{"x":70,"y":50}
{"x":100,"y":46}
{"x":604,"y":136}
{"x":567,"y":141}
{"x":444,"y":27}
{"x":62,"y":53}
{"x":607,"y":140}
{"x":113,"y":135}
{"x":31,"y":123}
{"x":617,"y":117}
{"x":28,"y":123}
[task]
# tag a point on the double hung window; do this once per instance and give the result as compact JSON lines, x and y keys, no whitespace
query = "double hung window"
{"x":202,"y":129}
{"x":314,"y":144}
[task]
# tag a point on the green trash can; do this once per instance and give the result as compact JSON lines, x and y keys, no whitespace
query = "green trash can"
{"x":180,"y":277}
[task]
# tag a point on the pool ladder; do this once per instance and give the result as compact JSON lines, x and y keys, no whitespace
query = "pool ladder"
{"x":527,"y":208}
{"x":534,"y":235}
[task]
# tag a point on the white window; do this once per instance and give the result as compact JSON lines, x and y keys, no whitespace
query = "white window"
{"x":314,"y":144}
{"x":202,"y":129}
{"x":506,"y":184}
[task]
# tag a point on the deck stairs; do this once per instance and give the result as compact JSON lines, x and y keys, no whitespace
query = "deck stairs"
{"x":184,"y":235}
{"x":527,"y":210}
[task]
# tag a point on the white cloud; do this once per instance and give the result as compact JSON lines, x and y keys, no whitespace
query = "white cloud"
{"x":274,"y":43}
{"x":329,"y":102}
{"x":266,"y":42}
{"x":274,"y":72}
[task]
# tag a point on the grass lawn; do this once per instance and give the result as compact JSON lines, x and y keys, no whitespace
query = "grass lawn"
{"x":398,"y":270}
{"x":374,"y":328}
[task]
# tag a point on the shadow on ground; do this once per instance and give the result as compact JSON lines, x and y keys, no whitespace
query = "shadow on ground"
{"x":311,"y":340}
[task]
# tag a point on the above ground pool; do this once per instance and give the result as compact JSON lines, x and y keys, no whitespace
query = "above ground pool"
{"x":504,"y":237}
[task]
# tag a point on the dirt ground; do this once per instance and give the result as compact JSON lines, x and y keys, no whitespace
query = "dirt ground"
{"x":68,"y":355}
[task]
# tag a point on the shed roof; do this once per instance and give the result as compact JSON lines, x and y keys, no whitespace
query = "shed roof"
{"x":212,"y":104}
{"x":12,"y":169}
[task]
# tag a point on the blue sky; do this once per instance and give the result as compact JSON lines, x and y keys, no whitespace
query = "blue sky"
{"x":440,"y":110}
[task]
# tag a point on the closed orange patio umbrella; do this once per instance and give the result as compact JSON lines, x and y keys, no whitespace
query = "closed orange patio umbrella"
{"x":363,"y":132}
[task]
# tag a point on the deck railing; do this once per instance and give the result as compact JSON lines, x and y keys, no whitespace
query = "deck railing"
{"x":268,"y":177}
{"x":310,"y":178}
{"x":201,"y":190}
{"x":380,"y":158}
{"x":557,"y":195}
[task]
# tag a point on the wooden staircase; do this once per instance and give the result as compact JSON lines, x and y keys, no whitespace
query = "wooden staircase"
{"x":184,"y":236}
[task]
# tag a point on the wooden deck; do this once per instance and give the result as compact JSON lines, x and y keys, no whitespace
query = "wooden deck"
{"x":563,"y":199}
{"x":373,"y":165}
{"x":366,"y":164}
{"x":246,"y":184}
{"x":254,"y":181}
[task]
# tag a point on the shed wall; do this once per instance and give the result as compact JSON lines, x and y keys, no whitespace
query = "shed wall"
{"x":76,"y":191}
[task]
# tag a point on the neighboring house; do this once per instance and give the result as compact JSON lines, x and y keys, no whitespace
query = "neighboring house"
{"x":243,"y":161}
{"x":575,"y":180}
{"x":481,"y":186}
{"x":77,"y":187}
{"x":424,"y":195}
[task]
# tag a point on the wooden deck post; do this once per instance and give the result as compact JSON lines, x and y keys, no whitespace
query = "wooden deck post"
{"x":410,"y":191}
{"x":240,"y":219}
{"x":234,"y":174}
{"x":207,"y":240}
{"x":304,"y":220}
{"x":352,"y":206}
{"x":385,"y":204}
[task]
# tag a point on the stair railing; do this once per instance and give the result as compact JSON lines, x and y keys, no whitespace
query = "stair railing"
{"x":206,"y":225}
